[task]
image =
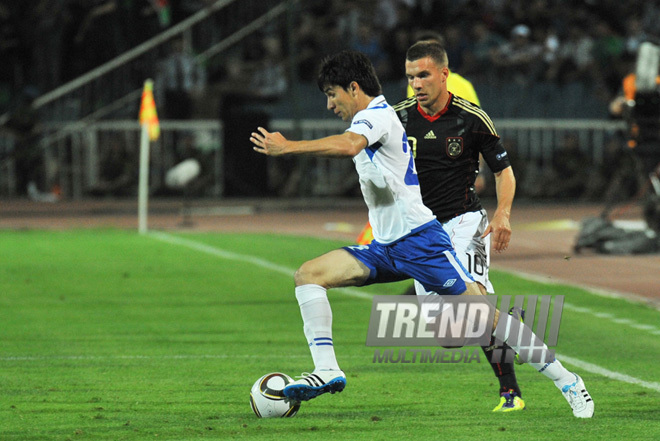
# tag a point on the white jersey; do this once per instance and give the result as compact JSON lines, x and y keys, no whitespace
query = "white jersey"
{"x":388,"y":177}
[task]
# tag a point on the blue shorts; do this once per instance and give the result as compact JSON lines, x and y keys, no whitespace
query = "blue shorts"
{"x":425,"y":255}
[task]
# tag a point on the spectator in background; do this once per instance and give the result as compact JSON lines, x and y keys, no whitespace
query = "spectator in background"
{"x":316,"y":36}
{"x":308,"y":44}
{"x":430,"y":14}
{"x":456,"y":46}
{"x":254,"y":78}
{"x":634,"y":35}
{"x":551,"y":45}
{"x":650,"y":13}
{"x":396,"y":42}
{"x":347,"y":16}
{"x":179,"y":82}
{"x":608,"y":50}
{"x":386,"y":15}
{"x":96,"y":30}
{"x":477,"y":59}
{"x":367,"y":41}
{"x":330,"y":40}
{"x":269,"y":78}
{"x":574,"y":57}
{"x":520,"y":58}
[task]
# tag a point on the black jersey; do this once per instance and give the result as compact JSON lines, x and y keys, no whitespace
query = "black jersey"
{"x":446,"y":148}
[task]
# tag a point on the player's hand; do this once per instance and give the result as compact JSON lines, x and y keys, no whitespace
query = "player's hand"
{"x":271,"y":144}
{"x":501,"y":230}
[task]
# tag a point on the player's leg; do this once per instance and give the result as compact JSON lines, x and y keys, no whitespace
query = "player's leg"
{"x":509,"y":329}
{"x":334,"y":269}
{"x":473,"y":251}
{"x":446,"y":275}
{"x":504,"y":370}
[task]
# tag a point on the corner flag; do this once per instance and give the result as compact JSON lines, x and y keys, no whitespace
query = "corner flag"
{"x":148,"y":113}
{"x":150,"y":132}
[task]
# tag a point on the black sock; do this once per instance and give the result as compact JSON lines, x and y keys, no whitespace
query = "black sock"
{"x":504,"y":372}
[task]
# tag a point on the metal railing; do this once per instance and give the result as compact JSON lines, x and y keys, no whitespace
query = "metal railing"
{"x":101,"y":158}
{"x":532,"y":141}
{"x":538,"y":139}
{"x":76,"y":159}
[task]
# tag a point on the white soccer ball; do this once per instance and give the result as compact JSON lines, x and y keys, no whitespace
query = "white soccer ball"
{"x":267,"y":399}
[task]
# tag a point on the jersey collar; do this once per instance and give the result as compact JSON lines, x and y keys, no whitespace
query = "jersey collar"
{"x":437,"y":115}
{"x":378,"y":102}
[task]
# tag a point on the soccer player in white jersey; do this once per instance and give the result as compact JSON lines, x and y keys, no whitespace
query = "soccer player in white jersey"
{"x":406,"y":233}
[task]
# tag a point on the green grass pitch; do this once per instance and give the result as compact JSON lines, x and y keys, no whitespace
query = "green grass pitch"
{"x":109,"y":335}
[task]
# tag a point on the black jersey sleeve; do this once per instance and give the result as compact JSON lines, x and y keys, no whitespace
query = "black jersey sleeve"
{"x":494,"y":153}
{"x":487,"y":141}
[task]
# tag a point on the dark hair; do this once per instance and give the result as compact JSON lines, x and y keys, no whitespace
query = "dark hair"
{"x":347,"y":66}
{"x":427,"y":48}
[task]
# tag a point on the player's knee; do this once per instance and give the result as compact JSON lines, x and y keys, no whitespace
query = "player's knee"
{"x":306,"y":274}
{"x":299,"y":277}
{"x":482,"y":288}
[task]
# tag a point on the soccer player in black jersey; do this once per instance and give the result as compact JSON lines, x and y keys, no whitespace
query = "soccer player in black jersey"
{"x":447,"y":134}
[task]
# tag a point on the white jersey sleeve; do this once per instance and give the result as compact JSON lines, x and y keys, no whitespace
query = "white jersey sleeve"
{"x":388,"y":178}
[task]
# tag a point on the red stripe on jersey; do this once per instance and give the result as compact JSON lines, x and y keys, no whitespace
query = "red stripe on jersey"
{"x":437,"y":115}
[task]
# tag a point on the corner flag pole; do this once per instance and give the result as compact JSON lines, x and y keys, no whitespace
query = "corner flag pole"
{"x":150,"y":130}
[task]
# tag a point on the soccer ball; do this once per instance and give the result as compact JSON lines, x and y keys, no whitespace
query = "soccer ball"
{"x":267,"y":399}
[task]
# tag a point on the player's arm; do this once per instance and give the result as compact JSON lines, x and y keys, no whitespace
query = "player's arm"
{"x":275,"y":144}
{"x":505,"y":188}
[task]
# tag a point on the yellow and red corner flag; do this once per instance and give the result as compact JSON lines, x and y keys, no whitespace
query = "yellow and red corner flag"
{"x":366,"y":235}
{"x":148,"y":113}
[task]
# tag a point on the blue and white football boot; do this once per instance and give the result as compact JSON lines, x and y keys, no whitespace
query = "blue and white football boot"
{"x":317,"y":383}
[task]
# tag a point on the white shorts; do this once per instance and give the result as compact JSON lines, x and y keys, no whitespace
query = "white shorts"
{"x":474,"y":252}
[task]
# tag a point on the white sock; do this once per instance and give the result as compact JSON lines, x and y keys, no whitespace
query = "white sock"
{"x":556,"y":372}
{"x":317,"y":325}
{"x":518,"y":335}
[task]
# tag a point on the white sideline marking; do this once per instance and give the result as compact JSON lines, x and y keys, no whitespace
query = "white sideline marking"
{"x":595,"y":369}
{"x":592,"y":289}
{"x":614,"y":319}
{"x":229,"y":255}
{"x":589,"y":367}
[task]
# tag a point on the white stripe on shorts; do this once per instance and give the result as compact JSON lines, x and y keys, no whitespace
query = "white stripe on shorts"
{"x":458,"y":267}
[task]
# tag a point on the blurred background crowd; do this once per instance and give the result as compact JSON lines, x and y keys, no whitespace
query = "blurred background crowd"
{"x":44,"y":43}
{"x":568,"y":56}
